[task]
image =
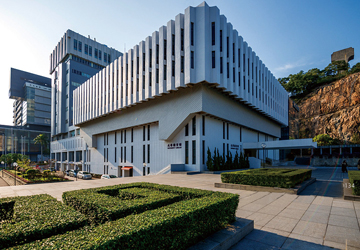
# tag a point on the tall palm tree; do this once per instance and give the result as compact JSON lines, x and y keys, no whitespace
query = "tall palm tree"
{"x":43,"y":141}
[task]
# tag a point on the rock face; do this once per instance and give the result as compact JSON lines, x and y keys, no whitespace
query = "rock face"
{"x":332,"y":109}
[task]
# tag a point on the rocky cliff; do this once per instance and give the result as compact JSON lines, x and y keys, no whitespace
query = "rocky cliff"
{"x":332,"y":109}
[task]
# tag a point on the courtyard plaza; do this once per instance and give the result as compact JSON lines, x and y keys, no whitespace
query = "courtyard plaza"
{"x":318,"y":218}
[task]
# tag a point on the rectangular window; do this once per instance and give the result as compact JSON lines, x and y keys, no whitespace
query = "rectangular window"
{"x":221,"y":41}
{"x":186,"y":129}
{"x":104,"y":139}
{"x":240,"y":134}
{"x":137,"y":65}
{"x":104,"y":154}
{"x":132,"y":135}
{"x":233,"y":74}
{"x":124,"y":136}
{"x":192,"y":33}
{"x":173,"y":44}
{"x":144,"y":154}
{"x":165,"y":73}
{"x":227,"y":131}
{"x":223,"y":148}
{"x":223,"y":130}
{"x":239,"y":57}
{"x":115,"y":153}
{"x":186,"y":152}
{"x":252,"y":70}
{"x":132,"y":154}
{"x":148,"y":156}
{"x":121,"y":154}
{"x":227,"y":70}
{"x":213,"y":59}
{"x":86,"y":49}
{"x":221,"y":65}
{"x":182,"y":39}
{"x":107,"y":138}
{"x":105,"y":57}
{"x":143,"y":60}
{"x":227,"y":148}
{"x":80,"y":46}
{"x":227,"y":47}
{"x":182,"y":64}
{"x":150,"y":79}
{"x":107,"y":155}
{"x":233,"y":52}
{"x":203,"y":125}
{"x":194,"y":125}
{"x":148,"y":130}
{"x":143,"y":133}
{"x":203,"y":152}
{"x":248,"y":66}
{"x":75,"y":44}
{"x":248,"y":86}
{"x":192,"y":61}
{"x":124,"y":154}
{"x":157,"y":53}
{"x":165,"y":44}
{"x":239,"y":78}
{"x":193,"y":152}
{"x":244,"y":62}
{"x":157,"y":75}
{"x":213,"y":33}
{"x":244,"y":81}
{"x":109,"y":58}
{"x":99,"y":54}
{"x":90,"y":51}
{"x":173,"y":68}
{"x":121,"y":136}
{"x":96,"y":53}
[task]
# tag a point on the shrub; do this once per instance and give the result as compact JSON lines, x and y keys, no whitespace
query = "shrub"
{"x":110,"y":203}
{"x":37,"y":217}
{"x":284,"y":178}
{"x":354,"y":179}
{"x":46,"y":172}
{"x":6,"y":210}
{"x":175,"y":226}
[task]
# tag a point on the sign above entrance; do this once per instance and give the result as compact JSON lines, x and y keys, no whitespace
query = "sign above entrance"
{"x":235,"y":146}
{"x":174,"y":146}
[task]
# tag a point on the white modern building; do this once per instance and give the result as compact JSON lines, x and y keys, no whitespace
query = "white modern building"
{"x":192,"y":85}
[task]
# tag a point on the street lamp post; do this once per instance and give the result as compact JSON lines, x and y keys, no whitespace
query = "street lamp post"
{"x":15,"y":166}
{"x":2,"y":163}
{"x":263,"y":145}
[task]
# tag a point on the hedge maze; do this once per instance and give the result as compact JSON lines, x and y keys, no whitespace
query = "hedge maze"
{"x":128,"y":216}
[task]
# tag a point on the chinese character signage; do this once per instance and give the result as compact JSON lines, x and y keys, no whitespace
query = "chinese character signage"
{"x":174,"y":145}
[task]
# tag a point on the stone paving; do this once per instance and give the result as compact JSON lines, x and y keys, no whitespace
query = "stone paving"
{"x":282,"y":221}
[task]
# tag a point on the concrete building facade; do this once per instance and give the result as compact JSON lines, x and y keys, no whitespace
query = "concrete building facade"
{"x":74,"y":60}
{"x":194,"y":84}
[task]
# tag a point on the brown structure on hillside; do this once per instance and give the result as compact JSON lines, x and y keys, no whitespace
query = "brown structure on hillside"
{"x":343,"y":55}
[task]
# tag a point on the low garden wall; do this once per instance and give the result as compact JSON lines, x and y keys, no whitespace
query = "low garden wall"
{"x":333,"y":161}
{"x":10,"y":179}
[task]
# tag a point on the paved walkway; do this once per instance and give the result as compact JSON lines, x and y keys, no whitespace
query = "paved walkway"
{"x":282,"y":221}
{"x":3,"y":183}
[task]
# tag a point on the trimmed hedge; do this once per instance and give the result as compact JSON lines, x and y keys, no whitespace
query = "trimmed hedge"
{"x":114,"y":202}
{"x":354,"y":179}
{"x":6,"y":210}
{"x":37,"y":217}
{"x":175,"y":226}
{"x":274,"y":177}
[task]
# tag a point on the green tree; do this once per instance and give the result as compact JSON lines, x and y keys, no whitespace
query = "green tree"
{"x":323,"y":140}
{"x":355,"y":138}
{"x":43,"y":141}
{"x":355,"y":68}
{"x":209,"y":162}
{"x":336,"y":67}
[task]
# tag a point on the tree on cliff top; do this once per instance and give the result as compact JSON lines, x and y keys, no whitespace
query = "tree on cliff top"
{"x":303,"y":83}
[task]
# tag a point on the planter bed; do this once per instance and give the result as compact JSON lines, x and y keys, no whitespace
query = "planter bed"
{"x":269,"y":177}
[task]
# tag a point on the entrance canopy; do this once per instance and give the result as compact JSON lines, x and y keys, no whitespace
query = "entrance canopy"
{"x":126,"y":168}
{"x":284,"y":144}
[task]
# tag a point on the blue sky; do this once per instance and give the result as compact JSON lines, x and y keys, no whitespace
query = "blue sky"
{"x":287,"y":35}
